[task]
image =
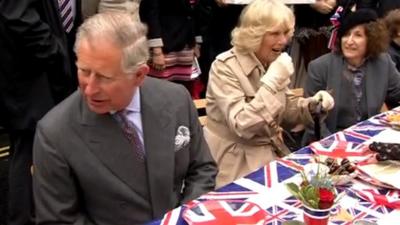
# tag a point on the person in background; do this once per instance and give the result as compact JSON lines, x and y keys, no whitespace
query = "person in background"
{"x":392,"y":21}
{"x":248,"y":100}
{"x":128,"y":6}
{"x":217,"y":34}
{"x":360,"y":73}
{"x":311,"y":36}
{"x":89,"y":8}
{"x":124,"y":148}
{"x":313,"y":31}
{"x":174,"y":40}
{"x":385,"y":6}
{"x":36,"y":73}
{"x":70,"y":28}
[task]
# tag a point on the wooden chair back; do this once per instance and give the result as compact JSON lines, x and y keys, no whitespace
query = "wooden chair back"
{"x":201,"y":110}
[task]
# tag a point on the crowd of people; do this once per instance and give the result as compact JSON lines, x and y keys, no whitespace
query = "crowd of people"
{"x":96,"y":95}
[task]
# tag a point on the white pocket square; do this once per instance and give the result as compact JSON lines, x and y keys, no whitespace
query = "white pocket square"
{"x":182,"y":138}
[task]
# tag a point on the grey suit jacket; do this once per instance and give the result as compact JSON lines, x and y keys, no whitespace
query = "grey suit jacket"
{"x":82,"y":160}
{"x":382,"y":83}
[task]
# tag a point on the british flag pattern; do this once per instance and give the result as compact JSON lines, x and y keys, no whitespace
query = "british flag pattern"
{"x":265,"y":187}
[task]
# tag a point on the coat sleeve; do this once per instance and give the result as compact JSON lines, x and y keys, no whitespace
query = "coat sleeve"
{"x":246,"y":116}
{"x":393,"y":91}
{"x":316,"y":79}
{"x":25,"y":24}
{"x":200,"y":177}
{"x":150,"y":14}
{"x":55,"y":191}
{"x":296,"y":112}
{"x":317,"y":75}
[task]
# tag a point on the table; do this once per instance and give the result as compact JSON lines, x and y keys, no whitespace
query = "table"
{"x":266,"y":187}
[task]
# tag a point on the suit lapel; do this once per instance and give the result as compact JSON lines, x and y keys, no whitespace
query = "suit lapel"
{"x":336,"y":84}
{"x":159,"y":141}
{"x":372,"y":80}
{"x":107,"y":142}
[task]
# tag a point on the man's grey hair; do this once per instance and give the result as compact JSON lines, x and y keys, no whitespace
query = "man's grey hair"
{"x":124,"y":31}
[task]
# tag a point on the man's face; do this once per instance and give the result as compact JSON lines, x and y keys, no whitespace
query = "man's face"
{"x":101,"y":79}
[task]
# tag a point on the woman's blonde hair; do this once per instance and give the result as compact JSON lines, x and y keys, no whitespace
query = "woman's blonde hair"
{"x":257,"y":18}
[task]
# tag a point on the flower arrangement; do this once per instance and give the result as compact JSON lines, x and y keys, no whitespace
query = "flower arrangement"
{"x":316,"y":189}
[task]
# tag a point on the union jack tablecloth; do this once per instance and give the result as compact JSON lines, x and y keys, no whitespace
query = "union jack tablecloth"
{"x":266,"y":186}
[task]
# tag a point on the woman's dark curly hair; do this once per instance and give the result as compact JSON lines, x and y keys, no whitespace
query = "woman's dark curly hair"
{"x":392,"y":21}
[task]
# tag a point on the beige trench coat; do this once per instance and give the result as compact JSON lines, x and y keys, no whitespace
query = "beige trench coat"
{"x":244,"y":119}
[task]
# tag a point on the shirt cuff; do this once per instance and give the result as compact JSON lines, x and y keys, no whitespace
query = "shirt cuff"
{"x":155,"y":42}
{"x":199,"y":39}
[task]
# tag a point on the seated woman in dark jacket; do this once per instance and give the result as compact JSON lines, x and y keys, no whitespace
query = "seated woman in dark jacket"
{"x":360,"y":74}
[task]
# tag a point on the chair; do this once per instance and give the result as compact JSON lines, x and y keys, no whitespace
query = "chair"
{"x":384,"y":108}
{"x":201,"y":110}
{"x":298,"y":92}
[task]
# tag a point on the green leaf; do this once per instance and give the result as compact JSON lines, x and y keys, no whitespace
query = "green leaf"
{"x":309,"y":191}
{"x":314,"y":204}
{"x":294,"y":190}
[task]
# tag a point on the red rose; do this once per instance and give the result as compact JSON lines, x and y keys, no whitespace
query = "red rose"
{"x":326,"y":198}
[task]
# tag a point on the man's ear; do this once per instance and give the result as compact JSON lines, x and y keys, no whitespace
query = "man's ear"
{"x":141,"y":73}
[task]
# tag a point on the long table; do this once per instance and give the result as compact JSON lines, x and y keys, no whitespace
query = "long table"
{"x":266,"y":187}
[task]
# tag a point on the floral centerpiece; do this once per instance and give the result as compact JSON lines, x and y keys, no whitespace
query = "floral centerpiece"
{"x":316,"y":192}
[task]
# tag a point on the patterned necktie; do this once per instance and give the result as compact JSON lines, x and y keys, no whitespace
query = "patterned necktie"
{"x":65,"y":7}
{"x":130,"y":133}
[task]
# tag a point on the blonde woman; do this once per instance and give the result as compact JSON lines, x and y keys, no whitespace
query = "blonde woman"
{"x":248,"y":99}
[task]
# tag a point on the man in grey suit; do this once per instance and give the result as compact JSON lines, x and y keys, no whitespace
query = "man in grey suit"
{"x":88,"y":168}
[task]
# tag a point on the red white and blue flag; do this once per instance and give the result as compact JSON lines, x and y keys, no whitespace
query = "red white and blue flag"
{"x":215,"y":212}
{"x":266,"y":188}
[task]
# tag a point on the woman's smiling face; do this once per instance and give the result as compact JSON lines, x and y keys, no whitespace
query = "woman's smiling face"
{"x":272,"y":44}
{"x":354,"y":45}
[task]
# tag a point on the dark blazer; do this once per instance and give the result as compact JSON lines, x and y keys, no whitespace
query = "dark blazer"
{"x":82,"y":160}
{"x":394,"y":52}
{"x":384,"y":6}
{"x":381,"y":84}
{"x":35,"y":69}
{"x":174,"y":21}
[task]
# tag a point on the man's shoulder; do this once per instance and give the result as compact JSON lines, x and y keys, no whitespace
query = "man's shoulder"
{"x":162,"y":87}
{"x":383,"y":57}
{"x":326,"y":59}
{"x":61,"y":113}
{"x":161,"y":94}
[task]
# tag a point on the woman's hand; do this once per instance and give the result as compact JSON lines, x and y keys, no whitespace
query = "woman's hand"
{"x":324,"y":6}
{"x":220,"y":3}
{"x":278,"y":74}
{"x":327,"y":102}
{"x":197,"y":50}
{"x":158,"y":59}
